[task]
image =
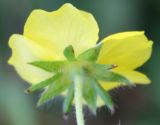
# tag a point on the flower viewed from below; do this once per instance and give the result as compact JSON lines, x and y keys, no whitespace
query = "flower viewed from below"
{"x":58,"y":53}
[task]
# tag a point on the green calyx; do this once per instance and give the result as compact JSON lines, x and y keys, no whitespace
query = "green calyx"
{"x":64,"y":73}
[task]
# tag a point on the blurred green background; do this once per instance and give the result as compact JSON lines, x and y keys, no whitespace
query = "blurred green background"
{"x":136,"y":106}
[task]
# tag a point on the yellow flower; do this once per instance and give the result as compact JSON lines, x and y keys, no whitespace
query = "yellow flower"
{"x":47,"y":37}
{"x":46,"y":34}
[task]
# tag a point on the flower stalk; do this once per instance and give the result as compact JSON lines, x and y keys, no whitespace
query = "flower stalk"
{"x":78,"y":100}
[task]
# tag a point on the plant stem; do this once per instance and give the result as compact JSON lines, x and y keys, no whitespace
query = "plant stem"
{"x":78,"y":100}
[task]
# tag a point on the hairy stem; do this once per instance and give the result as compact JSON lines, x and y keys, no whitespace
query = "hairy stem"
{"x":78,"y":100}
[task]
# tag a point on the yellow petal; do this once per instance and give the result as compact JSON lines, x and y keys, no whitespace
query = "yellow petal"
{"x":110,"y":85}
{"x":128,"y":49}
{"x":134,"y":76}
{"x":100,"y":102}
{"x":58,"y":29}
{"x":23,"y":52}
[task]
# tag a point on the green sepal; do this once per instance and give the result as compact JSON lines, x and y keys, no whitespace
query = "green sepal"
{"x":69,"y":53}
{"x":102,"y":67}
{"x":104,"y":96}
{"x":90,"y":54}
{"x":103,"y":72}
{"x":50,"y":66}
{"x":90,"y":95}
{"x":68,"y":99}
{"x":44,"y":83}
{"x":109,"y":76}
{"x":53,"y":90}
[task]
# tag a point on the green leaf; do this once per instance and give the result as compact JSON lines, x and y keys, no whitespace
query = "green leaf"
{"x":53,"y":90}
{"x":90,"y":95}
{"x":50,"y":66}
{"x":90,"y":54}
{"x":68,"y":99}
{"x":44,"y":83}
{"x":69,"y":53}
{"x":104,"y":96}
